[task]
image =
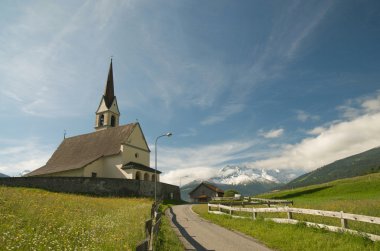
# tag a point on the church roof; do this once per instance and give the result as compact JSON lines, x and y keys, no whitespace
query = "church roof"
{"x":138,"y":166}
{"x":79,"y":151}
{"x":109,"y":90}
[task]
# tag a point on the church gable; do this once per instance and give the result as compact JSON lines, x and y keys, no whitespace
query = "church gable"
{"x":103,"y":107}
{"x":137,"y":139}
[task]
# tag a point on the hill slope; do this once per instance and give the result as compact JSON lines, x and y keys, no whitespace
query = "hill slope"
{"x":360,"y":195}
{"x":3,"y":175}
{"x":356,"y":165}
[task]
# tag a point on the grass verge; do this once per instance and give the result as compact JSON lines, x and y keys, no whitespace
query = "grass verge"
{"x":166,"y":238}
{"x":290,"y":237}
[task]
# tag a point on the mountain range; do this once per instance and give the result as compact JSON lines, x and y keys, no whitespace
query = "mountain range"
{"x":247,"y":181}
{"x":355,"y":165}
{"x":3,"y":175}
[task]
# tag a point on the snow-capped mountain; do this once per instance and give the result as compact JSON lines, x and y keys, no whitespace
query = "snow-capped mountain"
{"x":246,"y":180}
{"x":238,"y":175}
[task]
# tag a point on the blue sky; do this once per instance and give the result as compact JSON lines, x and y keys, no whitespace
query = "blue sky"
{"x":266,"y":84}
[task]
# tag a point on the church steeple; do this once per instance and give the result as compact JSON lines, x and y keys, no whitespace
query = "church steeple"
{"x":107,"y":114}
{"x":109,"y":92}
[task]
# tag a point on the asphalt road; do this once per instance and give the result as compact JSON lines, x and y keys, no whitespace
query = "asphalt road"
{"x":199,"y":234}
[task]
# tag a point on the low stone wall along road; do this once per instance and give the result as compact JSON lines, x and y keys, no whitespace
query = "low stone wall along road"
{"x":199,"y":234}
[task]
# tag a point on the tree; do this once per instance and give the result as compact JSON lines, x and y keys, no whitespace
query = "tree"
{"x":230,"y":193}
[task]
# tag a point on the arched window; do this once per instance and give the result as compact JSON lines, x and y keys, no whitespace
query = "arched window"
{"x":101,"y":120}
{"x":138,"y":175}
{"x":113,"y":121}
{"x":146,"y":176}
{"x":153,"y":177}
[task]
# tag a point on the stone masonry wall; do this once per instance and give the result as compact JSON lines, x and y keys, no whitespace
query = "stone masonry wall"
{"x":96,"y":186}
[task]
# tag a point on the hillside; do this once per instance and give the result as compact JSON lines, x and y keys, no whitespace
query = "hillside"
{"x":356,"y":165}
{"x":33,"y":219}
{"x":359,"y":195}
{"x":3,"y":175}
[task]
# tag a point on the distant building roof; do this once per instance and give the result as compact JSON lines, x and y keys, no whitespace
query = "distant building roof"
{"x":208,"y":185}
{"x":79,"y":151}
{"x":133,"y":165}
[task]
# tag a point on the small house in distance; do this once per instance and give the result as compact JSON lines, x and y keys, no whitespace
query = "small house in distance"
{"x":204,"y":192}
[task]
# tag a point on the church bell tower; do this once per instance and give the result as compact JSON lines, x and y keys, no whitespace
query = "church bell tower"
{"x":108,"y":113}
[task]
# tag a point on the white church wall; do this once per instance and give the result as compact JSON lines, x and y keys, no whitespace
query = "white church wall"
{"x":94,"y":167}
{"x":112,"y":167}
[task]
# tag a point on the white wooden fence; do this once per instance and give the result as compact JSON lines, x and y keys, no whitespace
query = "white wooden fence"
{"x":344,"y":217}
{"x":250,"y":200}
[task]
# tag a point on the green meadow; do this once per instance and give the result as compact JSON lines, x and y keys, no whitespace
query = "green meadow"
{"x":359,"y":195}
{"x":32,"y":219}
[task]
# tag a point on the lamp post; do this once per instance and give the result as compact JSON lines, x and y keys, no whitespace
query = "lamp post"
{"x":155,"y":163}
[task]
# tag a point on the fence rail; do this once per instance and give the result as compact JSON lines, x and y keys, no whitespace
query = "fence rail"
{"x":344,"y":217}
{"x":249,"y":201}
{"x":152,"y":227}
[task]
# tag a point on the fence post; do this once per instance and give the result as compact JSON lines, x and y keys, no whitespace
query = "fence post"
{"x":220,"y":210}
{"x":343,"y":220}
{"x":290,"y":214}
{"x":230,"y":210}
{"x":254,"y":214}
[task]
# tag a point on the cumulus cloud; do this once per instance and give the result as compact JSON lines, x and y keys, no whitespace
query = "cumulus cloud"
{"x":337,"y":141}
{"x":186,"y":175}
{"x":199,"y":162}
{"x":19,"y":155}
{"x":272,"y":133}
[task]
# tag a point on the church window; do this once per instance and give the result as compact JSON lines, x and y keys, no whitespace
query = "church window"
{"x":146,"y":176}
{"x":136,"y":155}
{"x":93,"y":175}
{"x":112,"y":121}
{"x":101,"y":120}
{"x":153,"y":177}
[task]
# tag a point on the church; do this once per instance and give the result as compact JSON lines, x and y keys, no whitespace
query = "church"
{"x":112,"y":151}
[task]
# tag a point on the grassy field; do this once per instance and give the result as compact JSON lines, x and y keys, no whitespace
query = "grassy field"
{"x":32,"y":219}
{"x":360,"y":195}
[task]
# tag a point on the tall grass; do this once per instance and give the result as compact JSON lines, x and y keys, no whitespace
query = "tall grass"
{"x":32,"y":219}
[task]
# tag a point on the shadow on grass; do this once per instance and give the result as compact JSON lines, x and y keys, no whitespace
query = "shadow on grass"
{"x":300,"y":193}
{"x":185,"y":234}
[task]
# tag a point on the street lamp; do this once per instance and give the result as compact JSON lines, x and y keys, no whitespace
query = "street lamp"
{"x":155,"y":163}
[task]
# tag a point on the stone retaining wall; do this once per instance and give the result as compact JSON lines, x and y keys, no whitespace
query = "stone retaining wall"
{"x":96,"y":186}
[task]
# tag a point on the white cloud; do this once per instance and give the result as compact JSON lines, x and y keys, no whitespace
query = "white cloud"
{"x":272,"y":133}
{"x":187,"y":175}
{"x":337,"y":141}
{"x":317,"y":130}
{"x":304,"y":116}
{"x":177,"y":162}
{"x":19,"y":155}
{"x":227,"y":111}
{"x":39,"y":39}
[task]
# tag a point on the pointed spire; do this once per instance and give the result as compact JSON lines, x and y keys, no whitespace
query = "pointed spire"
{"x":108,"y":92}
